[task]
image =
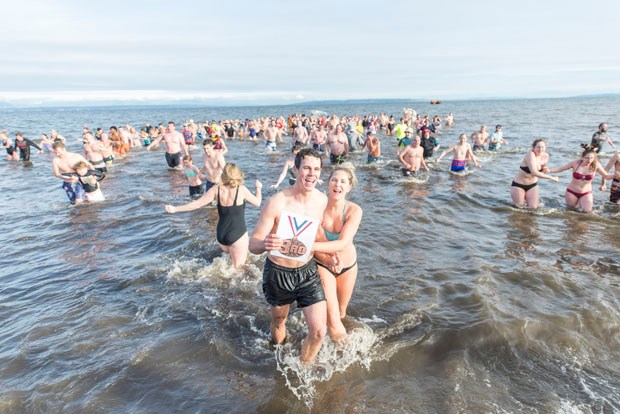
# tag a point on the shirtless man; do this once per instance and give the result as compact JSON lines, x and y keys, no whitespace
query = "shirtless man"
{"x":174,"y":142}
{"x":107,"y":150}
{"x":462,"y":152}
{"x":93,"y":152}
{"x":286,"y":280}
{"x":318,"y":136}
{"x":479,"y":138}
{"x":271,"y":135}
{"x":412,"y":158}
{"x":600,"y":136}
{"x":62,"y":166}
{"x":300,"y":135}
{"x":373,"y":145}
{"x":614,"y":194}
{"x":337,"y":146}
{"x":213,"y":165}
{"x":449,"y":119}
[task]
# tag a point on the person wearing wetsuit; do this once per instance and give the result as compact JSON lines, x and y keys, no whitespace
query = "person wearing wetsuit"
{"x":579,"y":190}
{"x":24,"y":144}
{"x":524,"y":190}
{"x":231,"y":196}
{"x":89,"y":179}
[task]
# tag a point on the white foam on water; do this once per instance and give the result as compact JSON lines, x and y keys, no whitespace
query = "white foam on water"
{"x":359,"y":348}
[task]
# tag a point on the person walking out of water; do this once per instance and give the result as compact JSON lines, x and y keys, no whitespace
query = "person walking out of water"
{"x":63,"y":168}
{"x":338,"y":271}
{"x":600,"y":137}
{"x":24,"y":144}
{"x":373,"y":145}
{"x":7,"y":143}
{"x":288,"y":168}
{"x":579,"y":190}
{"x":429,"y":143}
{"x":412,"y":158}
{"x":174,"y":143}
{"x":524,"y":187}
{"x":337,"y":146}
{"x":286,"y":280}
{"x":213,"y":165}
{"x":614,"y":194}
{"x":193,"y":177}
{"x":462,"y":152}
{"x":497,"y":139}
{"x":89,"y":179}
{"x":231,"y":195}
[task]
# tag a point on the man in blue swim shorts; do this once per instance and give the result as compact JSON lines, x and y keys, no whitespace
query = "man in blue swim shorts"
{"x":462,"y":152}
{"x":62,"y":166}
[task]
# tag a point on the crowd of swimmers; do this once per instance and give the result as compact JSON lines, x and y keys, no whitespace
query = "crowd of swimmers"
{"x":323,"y":284}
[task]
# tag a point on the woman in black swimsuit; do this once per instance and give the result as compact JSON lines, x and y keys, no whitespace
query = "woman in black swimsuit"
{"x":7,"y":143}
{"x":524,"y":190}
{"x":231,"y":195}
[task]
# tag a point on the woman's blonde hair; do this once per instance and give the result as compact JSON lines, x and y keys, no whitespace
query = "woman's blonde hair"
{"x":232,"y":176}
{"x":349,"y":169}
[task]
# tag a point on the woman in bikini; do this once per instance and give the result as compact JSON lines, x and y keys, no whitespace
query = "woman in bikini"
{"x":579,"y":191}
{"x":338,"y":271}
{"x":231,"y":195}
{"x":524,"y":190}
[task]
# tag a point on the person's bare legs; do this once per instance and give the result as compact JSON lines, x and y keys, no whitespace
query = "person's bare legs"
{"x":316,"y":319}
{"x":278,"y":323}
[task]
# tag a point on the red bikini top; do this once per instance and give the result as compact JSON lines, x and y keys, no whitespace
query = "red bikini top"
{"x":585,"y":177}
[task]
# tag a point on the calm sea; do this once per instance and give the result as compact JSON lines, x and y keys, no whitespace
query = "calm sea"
{"x":463,"y":304}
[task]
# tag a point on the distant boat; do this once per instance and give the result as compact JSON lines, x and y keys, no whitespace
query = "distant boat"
{"x":435,"y":102}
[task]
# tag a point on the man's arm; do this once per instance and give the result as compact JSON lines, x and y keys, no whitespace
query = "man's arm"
{"x":262,"y":240}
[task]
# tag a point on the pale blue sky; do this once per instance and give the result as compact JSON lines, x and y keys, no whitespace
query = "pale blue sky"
{"x":286,"y":51}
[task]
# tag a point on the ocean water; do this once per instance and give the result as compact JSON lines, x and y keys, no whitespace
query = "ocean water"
{"x":463,"y":304}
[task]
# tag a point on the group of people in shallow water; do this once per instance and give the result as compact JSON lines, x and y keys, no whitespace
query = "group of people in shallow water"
{"x":524,"y":187}
{"x":322,"y":283}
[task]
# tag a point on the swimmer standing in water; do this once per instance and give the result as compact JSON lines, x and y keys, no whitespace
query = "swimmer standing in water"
{"x":174,"y":143}
{"x":412,"y":158}
{"x":193,"y":177}
{"x":286,"y":280}
{"x":231,"y":195}
{"x":579,"y":191}
{"x":338,"y":271}
{"x":524,"y":187}
{"x":462,"y":152}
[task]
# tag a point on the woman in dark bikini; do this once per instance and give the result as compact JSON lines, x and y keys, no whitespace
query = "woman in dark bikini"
{"x":338,"y":271}
{"x":524,"y":187}
{"x":231,"y":195}
{"x":579,"y":191}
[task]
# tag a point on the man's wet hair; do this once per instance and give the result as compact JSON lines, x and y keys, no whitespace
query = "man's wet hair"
{"x":307,"y":152}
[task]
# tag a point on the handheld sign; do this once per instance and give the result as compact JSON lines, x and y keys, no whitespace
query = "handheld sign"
{"x":298,"y":233}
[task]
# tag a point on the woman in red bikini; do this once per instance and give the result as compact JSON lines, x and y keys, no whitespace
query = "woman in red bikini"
{"x":579,"y":191}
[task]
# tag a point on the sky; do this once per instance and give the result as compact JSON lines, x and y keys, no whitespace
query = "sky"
{"x":56,"y":52}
